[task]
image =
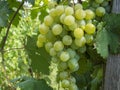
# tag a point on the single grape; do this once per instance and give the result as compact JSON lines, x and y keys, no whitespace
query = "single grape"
{"x":48,"y":46}
{"x":65,"y":83}
{"x":53,"y":12}
{"x":58,"y":46}
{"x":69,"y":11}
{"x":39,"y":44}
{"x":78,"y":6}
{"x":100,"y":11}
{"x":57,"y":29}
{"x":69,"y":20}
{"x":67,"y":40}
{"x":80,"y":14}
{"x":42,"y":38}
{"x":50,"y":37}
{"x":59,"y":9}
{"x":99,"y":1}
{"x":73,"y":87}
{"x":89,"y":38}
{"x":73,"y":26}
{"x":62,"y":66}
{"x":52,"y":4}
{"x":52,"y":52}
{"x":80,"y":42}
{"x":71,"y":52}
{"x":44,"y":29}
{"x":81,"y":23}
{"x":82,"y":49}
{"x":78,"y":33}
{"x":89,"y":14}
{"x":64,"y":56}
{"x":90,"y":28}
{"x":63,"y":75}
{"x":48,"y":20}
{"x":74,"y":46}
{"x":72,"y":79}
{"x":73,"y":65}
{"x":55,"y":59}
{"x":62,"y":17}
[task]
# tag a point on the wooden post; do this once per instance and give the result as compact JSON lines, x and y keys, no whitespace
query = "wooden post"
{"x":112,"y":75}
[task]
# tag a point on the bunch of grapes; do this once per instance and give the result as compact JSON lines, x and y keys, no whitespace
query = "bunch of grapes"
{"x":64,"y":33}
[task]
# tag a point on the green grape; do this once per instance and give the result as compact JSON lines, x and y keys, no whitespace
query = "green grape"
{"x":77,"y":57}
{"x":73,"y":26}
{"x":104,"y":4}
{"x":72,"y":79}
{"x":39,"y":44}
{"x":62,"y":66}
{"x":58,"y":46}
{"x":89,"y":38}
{"x":78,"y":33}
{"x":78,"y":6}
{"x":42,"y":38}
{"x":99,"y":1}
{"x":50,"y":37}
{"x":73,"y":64}
{"x":65,"y":83}
{"x":89,"y":14}
{"x":55,"y":59}
{"x":60,"y":10}
{"x":53,"y":12}
{"x":52,"y":4}
{"x":81,"y":23}
{"x":80,"y":42}
{"x":74,"y":46}
{"x":57,"y":29}
{"x":52,"y":52}
{"x":69,"y":20}
{"x":48,"y":46}
{"x":100,"y":11}
{"x":67,"y":40}
{"x":64,"y":56}
{"x":82,"y":49}
{"x":71,"y":52}
{"x":95,"y":5}
{"x":73,"y":87}
{"x":69,"y":11}
{"x":62,"y":17}
{"x":48,"y":20}
{"x":80,"y":14}
{"x":90,"y":28}
{"x":63,"y":75}
{"x":64,"y":32}
{"x":44,"y":29}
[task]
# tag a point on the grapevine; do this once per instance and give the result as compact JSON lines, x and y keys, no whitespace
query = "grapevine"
{"x":64,"y":31}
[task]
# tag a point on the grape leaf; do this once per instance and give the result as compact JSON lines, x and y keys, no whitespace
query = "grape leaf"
{"x":102,"y":43}
{"x":4,"y":12}
{"x":32,"y":84}
{"x":39,"y":57}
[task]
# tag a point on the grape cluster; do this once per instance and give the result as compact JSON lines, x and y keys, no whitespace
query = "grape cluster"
{"x":64,"y":33}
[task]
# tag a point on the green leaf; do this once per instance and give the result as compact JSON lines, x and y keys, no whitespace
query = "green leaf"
{"x":102,"y":43}
{"x":13,"y":3}
{"x":4,"y":12}
{"x":32,"y":84}
{"x":39,"y":57}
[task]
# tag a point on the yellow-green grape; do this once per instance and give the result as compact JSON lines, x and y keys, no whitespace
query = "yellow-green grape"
{"x":62,"y":66}
{"x":52,"y":4}
{"x":48,"y":46}
{"x":64,"y":56}
{"x":43,"y":29}
{"x":53,"y":12}
{"x":63,"y":75}
{"x":99,"y":1}
{"x":90,"y":28}
{"x":50,"y":37}
{"x":80,"y":14}
{"x":52,"y":52}
{"x":55,"y":59}
{"x":73,"y":26}
{"x":80,"y":42}
{"x":58,"y":46}
{"x":65,"y":83}
{"x":57,"y":29}
{"x":48,"y":20}
{"x":71,"y":52}
{"x":89,"y":14}
{"x":67,"y":40}
{"x":42,"y":38}
{"x":78,"y":6}
{"x":69,"y":11}
{"x":39,"y":44}
{"x":100,"y":11}
{"x":72,"y":80}
{"x":60,"y":10}
{"x":73,"y":87}
{"x":89,"y":38}
{"x":69,"y":20}
{"x":78,"y":33}
{"x":62,"y":17}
